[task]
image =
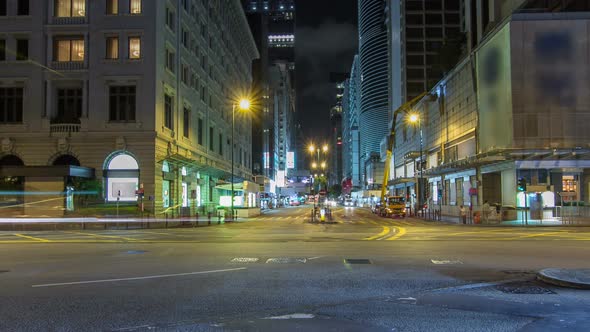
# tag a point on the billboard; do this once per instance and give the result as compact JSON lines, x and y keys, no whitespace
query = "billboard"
{"x":494,"y":93}
{"x":290,"y":160}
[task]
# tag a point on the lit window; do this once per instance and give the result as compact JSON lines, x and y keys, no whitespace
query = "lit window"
{"x":112,"y":7}
{"x":134,"y":48}
{"x":70,"y":8}
{"x":135,"y":7}
{"x":112,"y":48}
{"x":67,"y":50}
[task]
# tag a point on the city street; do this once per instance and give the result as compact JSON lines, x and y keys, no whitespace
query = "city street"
{"x":280,"y":272}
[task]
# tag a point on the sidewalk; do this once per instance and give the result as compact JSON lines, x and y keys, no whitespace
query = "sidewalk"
{"x":11,"y":224}
{"x":510,"y":223}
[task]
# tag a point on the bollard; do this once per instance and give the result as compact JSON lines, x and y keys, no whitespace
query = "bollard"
{"x":218,"y":218}
{"x":197,"y":219}
{"x":209,"y":218}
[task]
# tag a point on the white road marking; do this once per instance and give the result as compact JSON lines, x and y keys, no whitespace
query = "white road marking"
{"x":477,"y":285}
{"x":292,"y":316}
{"x":245,"y":260}
{"x":445,"y":262}
{"x":136,"y":278}
{"x":312,"y":258}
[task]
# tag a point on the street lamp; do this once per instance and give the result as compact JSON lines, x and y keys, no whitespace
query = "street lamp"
{"x":415,"y":119}
{"x":244,"y":105}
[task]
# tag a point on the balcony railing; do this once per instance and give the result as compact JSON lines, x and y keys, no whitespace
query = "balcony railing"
{"x":69,"y":20}
{"x":64,"y":128}
{"x":68,"y":65}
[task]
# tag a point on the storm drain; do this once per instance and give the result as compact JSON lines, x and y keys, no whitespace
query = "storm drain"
{"x":523,"y":288}
{"x":357,"y":261}
{"x":4,"y":271}
{"x":244,"y":260}
{"x":286,"y":260}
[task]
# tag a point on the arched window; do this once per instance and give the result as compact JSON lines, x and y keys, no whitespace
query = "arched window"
{"x":66,"y":160}
{"x":11,"y":160}
{"x":122,"y":177}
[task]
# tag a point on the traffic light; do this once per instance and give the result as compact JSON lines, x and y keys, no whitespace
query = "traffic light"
{"x":521,"y":184}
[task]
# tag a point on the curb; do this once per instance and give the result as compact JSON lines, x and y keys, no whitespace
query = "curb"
{"x":545,"y":276}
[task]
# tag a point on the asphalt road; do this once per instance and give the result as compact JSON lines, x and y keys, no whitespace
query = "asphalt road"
{"x":280,"y":272}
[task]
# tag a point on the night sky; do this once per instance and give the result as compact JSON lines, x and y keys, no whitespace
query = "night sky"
{"x":327,"y":40}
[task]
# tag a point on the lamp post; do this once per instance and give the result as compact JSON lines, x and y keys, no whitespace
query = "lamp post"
{"x":415,"y":118}
{"x":244,"y":105}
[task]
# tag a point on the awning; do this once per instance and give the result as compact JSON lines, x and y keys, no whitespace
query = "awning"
{"x":47,"y":171}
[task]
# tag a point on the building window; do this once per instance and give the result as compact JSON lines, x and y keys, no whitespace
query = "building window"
{"x":170,"y":19}
{"x":203,"y":93}
{"x":185,"y":38}
{"x":112,"y":7}
{"x":186,"y":122}
{"x":11,"y":105}
{"x":122,"y":178}
{"x":2,"y":7}
{"x":135,"y":7}
{"x":134,"y":48}
{"x":66,"y":50}
{"x":221,"y":144}
{"x":2,"y":50}
{"x":22,"y":49}
{"x":184,"y":74}
{"x":168,"y":111}
{"x":112,"y":48}
{"x":22,"y":7}
{"x":122,"y":103}
{"x":211,"y":140}
{"x":170,"y":60}
{"x":70,"y":8}
{"x":69,"y":106}
{"x":200,"y":132}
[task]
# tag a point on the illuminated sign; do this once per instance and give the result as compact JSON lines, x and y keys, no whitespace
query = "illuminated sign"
{"x":266,"y":160}
{"x":290,"y":160}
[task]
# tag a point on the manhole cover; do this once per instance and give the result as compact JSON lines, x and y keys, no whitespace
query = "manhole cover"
{"x":523,"y":288}
{"x":135,"y":252}
{"x":357,"y":261}
{"x":244,"y":260}
{"x":286,"y":260}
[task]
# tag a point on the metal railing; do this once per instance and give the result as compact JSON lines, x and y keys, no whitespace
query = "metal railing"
{"x":69,"y":20}
{"x":68,"y":65}
{"x":64,"y":128}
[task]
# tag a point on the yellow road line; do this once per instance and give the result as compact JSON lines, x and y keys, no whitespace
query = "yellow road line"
{"x":400,"y":232}
{"x":105,"y":236}
{"x":32,"y":238}
{"x":540,"y":234}
{"x":385,"y":231}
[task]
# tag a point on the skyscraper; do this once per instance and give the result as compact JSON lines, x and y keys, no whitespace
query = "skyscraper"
{"x":374,"y":82}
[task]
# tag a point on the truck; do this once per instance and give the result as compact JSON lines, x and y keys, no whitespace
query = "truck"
{"x":394,"y":207}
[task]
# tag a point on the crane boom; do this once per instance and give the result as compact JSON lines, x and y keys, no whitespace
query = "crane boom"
{"x":391,"y":141}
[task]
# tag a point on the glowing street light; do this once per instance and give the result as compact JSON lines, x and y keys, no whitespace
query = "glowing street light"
{"x":244,"y":105}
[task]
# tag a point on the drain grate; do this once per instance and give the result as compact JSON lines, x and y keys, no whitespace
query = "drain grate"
{"x":286,"y":260}
{"x":357,"y":261}
{"x":523,"y":288}
{"x":244,"y":260}
{"x":4,"y":271}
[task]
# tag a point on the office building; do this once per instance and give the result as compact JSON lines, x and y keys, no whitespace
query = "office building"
{"x":493,"y":119}
{"x":374,"y":85}
{"x":135,"y":94}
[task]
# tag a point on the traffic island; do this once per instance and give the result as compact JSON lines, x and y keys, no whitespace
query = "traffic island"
{"x":571,"y":278}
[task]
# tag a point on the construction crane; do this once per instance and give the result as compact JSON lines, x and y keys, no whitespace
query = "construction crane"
{"x":394,"y":205}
